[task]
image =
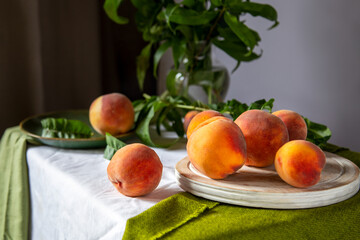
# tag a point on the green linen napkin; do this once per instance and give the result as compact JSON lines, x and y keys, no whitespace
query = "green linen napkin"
{"x":184,"y":216}
{"x":14,"y":185}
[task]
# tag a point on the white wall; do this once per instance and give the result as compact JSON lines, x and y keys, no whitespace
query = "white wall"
{"x":310,"y":64}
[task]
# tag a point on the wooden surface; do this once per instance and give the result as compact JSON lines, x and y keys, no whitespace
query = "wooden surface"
{"x":262,"y":187}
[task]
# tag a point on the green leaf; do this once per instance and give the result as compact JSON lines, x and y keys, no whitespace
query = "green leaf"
{"x":160,"y":119}
{"x":197,"y":5}
{"x":233,"y":46}
{"x":112,"y":145}
{"x":111,"y":7}
{"x":178,"y":51}
{"x":191,"y":17}
{"x":143,"y":131}
{"x":317,"y":133}
{"x":159,"y":53}
{"x":169,"y":10}
{"x":262,"y":104}
{"x":65,"y":128}
{"x":216,"y":3}
{"x":172,"y":81}
{"x":268,"y":105}
{"x":236,"y":66}
{"x":255,"y":9}
{"x":146,"y":14}
{"x":236,"y":108}
{"x":177,"y":125}
{"x":138,"y":105}
{"x":233,"y":107}
{"x":236,"y":50}
{"x":188,"y":3}
{"x":244,"y":33}
{"x":144,"y":5}
{"x":187,"y":31}
{"x":142,"y":64}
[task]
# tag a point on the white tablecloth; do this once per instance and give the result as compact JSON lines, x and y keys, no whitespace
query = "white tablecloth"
{"x":72,"y":198}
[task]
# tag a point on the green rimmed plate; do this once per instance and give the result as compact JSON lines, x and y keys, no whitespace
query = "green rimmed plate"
{"x":32,"y":127}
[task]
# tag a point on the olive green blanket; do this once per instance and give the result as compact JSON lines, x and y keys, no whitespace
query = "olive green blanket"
{"x":184,"y":216}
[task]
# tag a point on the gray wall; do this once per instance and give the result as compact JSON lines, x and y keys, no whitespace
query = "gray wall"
{"x":310,"y":64}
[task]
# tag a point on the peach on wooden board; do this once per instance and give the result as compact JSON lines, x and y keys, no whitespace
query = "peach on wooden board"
{"x":199,"y":118}
{"x":112,"y":113}
{"x":299,"y":163}
{"x":264,"y":134}
{"x":217,"y":147}
{"x":188,"y":117}
{"x":294,"y":123}
{"x":135,"y":170}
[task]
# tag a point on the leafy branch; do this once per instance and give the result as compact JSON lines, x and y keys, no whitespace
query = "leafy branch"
{"x":167,"y":111}
{"x":179,"y":25}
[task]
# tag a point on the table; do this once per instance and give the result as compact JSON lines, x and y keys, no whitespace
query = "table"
{"x":71,"y":197}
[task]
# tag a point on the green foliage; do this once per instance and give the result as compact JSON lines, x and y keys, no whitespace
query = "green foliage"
{"x":234,"y":108}
{"x":142,"y":64}
{"x":318,"y":133}
{"x":180,"y":25}
{"x":110,"y":7}
{"x":65,"y":128}
{"x":160,"y":111}
{"x":112,"y":145}
{"x":175,"y":24}
{"x":167,"y":111}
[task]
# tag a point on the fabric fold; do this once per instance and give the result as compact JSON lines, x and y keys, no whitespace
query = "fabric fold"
{"x":14,"y":185}
{"x":166,"y":216}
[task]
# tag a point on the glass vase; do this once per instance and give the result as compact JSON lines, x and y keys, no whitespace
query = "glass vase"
{"x":199,"y":76}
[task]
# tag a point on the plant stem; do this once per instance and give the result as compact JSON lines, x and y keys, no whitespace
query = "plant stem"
{"x":209,"y":93}
{"x":214,"y":25}
{"x":207,"y":41}
{"x":190,"y":107}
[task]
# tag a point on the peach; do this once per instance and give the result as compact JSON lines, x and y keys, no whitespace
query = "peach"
{"x":294,"y":123}
{"x":112,"y":113}
{"x":299,"y":163}
{"x":188,"y":117}
{"x":217,"y":147}
{"x":199,"y":118}
{"x":264,"y":134}
{"x":135,"y":170}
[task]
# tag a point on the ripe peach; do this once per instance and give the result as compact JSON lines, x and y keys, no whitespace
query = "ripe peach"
{"x":112,"y":113}
{"x":199,"y":118}
{"x":299,"y":163}
{"x":135,"y":170}
{"x":264,"y":134}
{"x":188,"y":117}
{"x":217,"y":147}
{"x":294,"y":123}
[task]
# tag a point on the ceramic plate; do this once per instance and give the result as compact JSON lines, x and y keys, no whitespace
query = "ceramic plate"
{"x":263,"y":188}
{"x":32,"y":127}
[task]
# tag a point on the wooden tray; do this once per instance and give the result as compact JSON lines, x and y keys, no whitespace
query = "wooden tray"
{"x":263,"y":188}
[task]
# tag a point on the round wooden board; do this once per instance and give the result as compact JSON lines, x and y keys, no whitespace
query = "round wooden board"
{"x":263,"y":188}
